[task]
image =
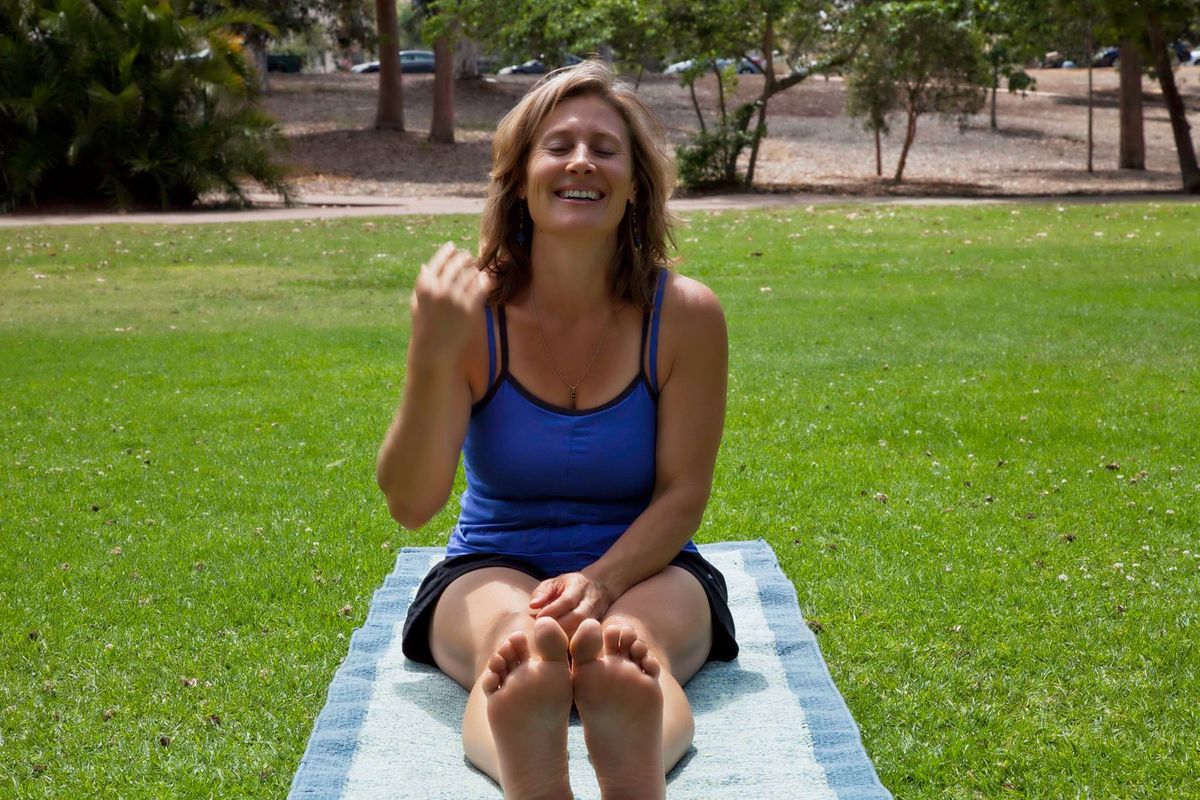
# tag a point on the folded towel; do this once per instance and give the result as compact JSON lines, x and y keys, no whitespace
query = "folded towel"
{"x":769,"y":725}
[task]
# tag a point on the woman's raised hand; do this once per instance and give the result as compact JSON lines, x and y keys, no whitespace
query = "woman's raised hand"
{"x":447,"y":294}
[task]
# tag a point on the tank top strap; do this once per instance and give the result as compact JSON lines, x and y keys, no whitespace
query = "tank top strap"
{"x":487,"y":311}
{"x":493,"y":379}
{"x":503,"y":341}
{"x":654,"y":321}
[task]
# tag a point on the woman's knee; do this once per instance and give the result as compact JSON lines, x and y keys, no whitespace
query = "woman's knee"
{"x":473,"y":615}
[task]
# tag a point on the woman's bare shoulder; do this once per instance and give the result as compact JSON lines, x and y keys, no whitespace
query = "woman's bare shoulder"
{"x":688,"y":303}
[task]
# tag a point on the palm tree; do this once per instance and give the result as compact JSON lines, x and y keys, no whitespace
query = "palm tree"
{"x":130,"y":102}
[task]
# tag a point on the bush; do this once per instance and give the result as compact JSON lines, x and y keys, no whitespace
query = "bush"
{"x":128,"y":101}
{"x":709,"y":160}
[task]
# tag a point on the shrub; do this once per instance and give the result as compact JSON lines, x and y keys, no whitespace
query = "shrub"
{"x":709,"y":160}
{"x":130,"y":101}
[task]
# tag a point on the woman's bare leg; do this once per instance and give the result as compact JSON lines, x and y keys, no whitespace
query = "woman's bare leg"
{"x":670,"y":617}
{"x":621,"y":706}
{"x":528,"y":690}
{"x":483,"y":637}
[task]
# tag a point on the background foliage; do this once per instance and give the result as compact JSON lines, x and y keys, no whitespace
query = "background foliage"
{"x":132,"y":101}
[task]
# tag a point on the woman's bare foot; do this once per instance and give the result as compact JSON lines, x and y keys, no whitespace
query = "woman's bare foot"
{"x":528,"y":702}
{"x":621,"y":707}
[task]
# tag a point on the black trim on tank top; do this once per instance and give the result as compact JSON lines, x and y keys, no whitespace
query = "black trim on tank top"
{"x":572,"y":412}
{"x":641,"y":377}
{"x":494,"y":381}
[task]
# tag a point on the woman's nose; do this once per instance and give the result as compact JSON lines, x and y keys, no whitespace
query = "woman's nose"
{"x":580,"y":160}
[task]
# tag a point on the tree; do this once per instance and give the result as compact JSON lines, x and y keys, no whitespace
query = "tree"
{"x":546,"y":29}
{"x":931,"y":56}
{"x":1010,"y":28}
{"x":1157,"y":14}
{"x":130,"y":101}
{"x":389,"y":106}
{"x":815,"y":35}
{"x":1152,"y":24}
{"x":441,"y":128}
{"x":871,"y":93}
{"x":1132,"y":148}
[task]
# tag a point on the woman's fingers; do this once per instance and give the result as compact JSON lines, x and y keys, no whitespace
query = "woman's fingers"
{"x":546,"y":591}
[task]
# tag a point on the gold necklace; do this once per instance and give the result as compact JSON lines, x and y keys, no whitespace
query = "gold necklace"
{"x":572,"y":386}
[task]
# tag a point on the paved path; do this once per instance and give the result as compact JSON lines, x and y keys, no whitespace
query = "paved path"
{"x":331,"y":206}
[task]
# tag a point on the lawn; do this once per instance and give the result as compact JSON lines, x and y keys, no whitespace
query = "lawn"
{"x":970,"y":434}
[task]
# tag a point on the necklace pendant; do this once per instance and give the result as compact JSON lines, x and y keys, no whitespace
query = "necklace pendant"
{"x":572,"y":399}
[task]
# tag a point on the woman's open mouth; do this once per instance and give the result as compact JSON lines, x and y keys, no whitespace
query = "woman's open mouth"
{"x":588,"y":195}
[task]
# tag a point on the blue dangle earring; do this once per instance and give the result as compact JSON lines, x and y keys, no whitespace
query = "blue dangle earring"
{"x":633,"y":225}
{"x":522,"y":234}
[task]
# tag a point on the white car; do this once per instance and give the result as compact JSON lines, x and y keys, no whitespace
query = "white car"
{"x":744,"y":66}
{"x":410,"y":61}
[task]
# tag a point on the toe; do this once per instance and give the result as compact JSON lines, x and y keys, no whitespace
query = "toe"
{"x":587,"y":642}
{"x":549,"y":640}
{"x":520,"y":646}
{"x":490,"y":681}
{"x":612,"y":640}
{"x":498,"y":664}
{"x":650,"y":666}
{"x":508,"y":652}
{"x":638,"y":650}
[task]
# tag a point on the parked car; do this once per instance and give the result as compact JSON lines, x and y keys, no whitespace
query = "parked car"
{"x":279,"y":62}
{"x":1196,"y":56}
{"x":744,"y":66}
{"x":535,"y":66}
{"x":1108,"y":57}
{"x":411,"y":62}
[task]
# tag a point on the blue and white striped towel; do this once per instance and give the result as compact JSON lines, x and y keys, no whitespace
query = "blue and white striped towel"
{"x":769,"y":725}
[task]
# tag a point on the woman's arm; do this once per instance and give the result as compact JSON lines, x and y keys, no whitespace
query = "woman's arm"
{"x":694,"y":363}
{"x":419,"y":455}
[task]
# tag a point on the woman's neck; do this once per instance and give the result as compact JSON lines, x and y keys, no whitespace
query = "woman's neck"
{"x":572,"y":275}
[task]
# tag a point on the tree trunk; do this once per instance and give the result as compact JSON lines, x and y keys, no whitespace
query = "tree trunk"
{"x":441,"y":128}
{"x":721,"y":95}
{"x":466,"y":65}
{"x":1179,"y":124}
{"x":256,"y":54}
{"x":995,"y":86}
{"x":1088,"y":56}
{"x":696,"y":105}
{"x":760,"y":128}
{"x":759,"y":131}
{"x":389,"y":108}
{"x":878,"y":155}
{"x":909,"y":134}
{"x":1132,"y":154}
{"x":637,"y":84}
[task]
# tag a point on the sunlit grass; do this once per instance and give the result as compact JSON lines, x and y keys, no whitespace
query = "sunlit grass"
{"x":969,"y":433}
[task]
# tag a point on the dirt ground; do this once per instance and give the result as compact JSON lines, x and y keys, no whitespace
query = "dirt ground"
{"x":812,"y":146}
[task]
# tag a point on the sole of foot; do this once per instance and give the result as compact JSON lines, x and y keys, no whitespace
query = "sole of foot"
{"x":620,"y":704}
{"x":529,"y":691}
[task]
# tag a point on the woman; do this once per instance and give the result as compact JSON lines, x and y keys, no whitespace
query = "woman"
{"x":585,"y":386}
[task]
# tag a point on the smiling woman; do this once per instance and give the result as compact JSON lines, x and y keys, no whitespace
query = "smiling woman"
{"x":584,"y":385}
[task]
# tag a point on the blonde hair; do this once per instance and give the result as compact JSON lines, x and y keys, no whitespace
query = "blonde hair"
{"x":635,"y":269}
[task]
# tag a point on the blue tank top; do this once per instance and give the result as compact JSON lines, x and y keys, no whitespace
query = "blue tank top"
{"x":551,"y":485}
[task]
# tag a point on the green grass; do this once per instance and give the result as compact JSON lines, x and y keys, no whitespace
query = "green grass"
{"x":927,"y":414}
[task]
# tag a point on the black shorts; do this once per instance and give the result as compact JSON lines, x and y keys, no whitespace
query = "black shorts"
{"x":415,"y":642}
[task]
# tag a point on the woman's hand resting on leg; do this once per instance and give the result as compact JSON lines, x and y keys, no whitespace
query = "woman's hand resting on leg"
{"x":570,"y":598}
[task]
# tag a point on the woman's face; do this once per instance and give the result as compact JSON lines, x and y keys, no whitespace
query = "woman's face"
{"x":579,"y":175}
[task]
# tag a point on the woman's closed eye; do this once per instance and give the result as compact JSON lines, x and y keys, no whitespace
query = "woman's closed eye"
{"x":562,"y":148}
